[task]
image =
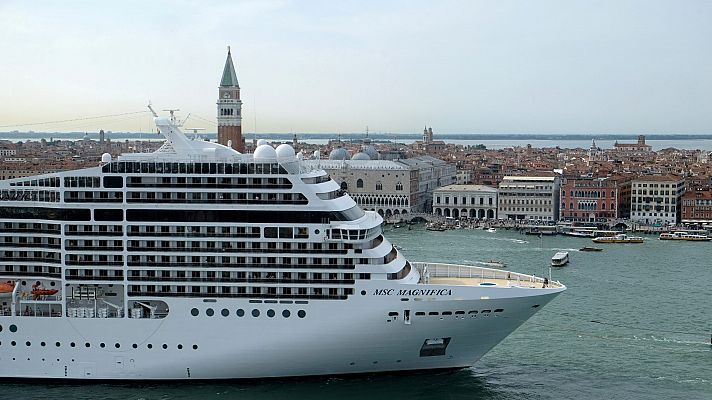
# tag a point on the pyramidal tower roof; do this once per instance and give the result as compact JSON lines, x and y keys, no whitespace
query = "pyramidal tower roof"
{"x":229,"y":77}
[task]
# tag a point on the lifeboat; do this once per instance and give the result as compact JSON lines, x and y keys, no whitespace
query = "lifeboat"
{"x":39,"y":291}
{"x":6,"y":288}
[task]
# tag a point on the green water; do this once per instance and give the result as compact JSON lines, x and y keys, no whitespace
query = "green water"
{"x":653,"y":299}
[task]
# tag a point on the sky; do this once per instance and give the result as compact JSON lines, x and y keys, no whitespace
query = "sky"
{"x":545,"y":66}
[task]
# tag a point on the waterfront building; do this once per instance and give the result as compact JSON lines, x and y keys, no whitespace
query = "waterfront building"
{"x":529,"y":198}
{"x":656,"y":199}
{"x":432,"y":173}
{"x":465,"y":201}
{"x":387,"y":187}
{"x":697,"y":207}
{"x":229,"y":108}
{"x":590,"y":199}
{"x":639,"y":147}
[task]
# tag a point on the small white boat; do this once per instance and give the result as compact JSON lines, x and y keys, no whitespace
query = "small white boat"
{"x":690,"y":237}
{"x":622,"y":238}
{"x":493,"y":264}
{"x":491,"y":230}
{"x":560,"y":259}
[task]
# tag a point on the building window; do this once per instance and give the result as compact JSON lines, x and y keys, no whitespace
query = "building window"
{"x":379,"y":186}
{"x":359,"y":183}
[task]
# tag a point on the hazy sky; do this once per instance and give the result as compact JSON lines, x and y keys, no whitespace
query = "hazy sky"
{"x":337,"y":66}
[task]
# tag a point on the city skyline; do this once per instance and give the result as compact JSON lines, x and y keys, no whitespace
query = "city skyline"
{"x":461,"y":67}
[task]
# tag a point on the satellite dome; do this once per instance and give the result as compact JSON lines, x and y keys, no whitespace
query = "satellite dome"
{"x":262,"y":142}
{"x":339,"y":153}
{"x":265,"y":152}
{"x":361,"y":156}
{"x":371,"y":151}
{"x":106,"y":158}
{"x":285,"y":151}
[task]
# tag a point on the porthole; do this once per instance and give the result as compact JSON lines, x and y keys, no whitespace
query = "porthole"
{"x":87,"y":345}
{"x":255,"y":313}
{"x":28,"y":344}
{"x":150,"y":346}
{"x":24,"y":283}
{"x":51,"y":283}
{"x":13,"y":328}
{"x":13,"y":343}
{"x":270,"y":313}
{"x":240,"y":312}
{"x":286,"y":313}
{"x":72,"y":344}
{"x":0,"y":328}
{"x":363,"y":293}
{"x":57,"y":344}
{"x":210,"y":312}
{"x":135,"y":346}
{"x":102,"y":345}
{"x":316,"y":231}
{"x":180,"y":347}
{"x":301,"y":313}
{"x":165,"y":346}
{"x":225,"y":312}
{"x":195,"y":347}
{"x":43,"y":344}
{"x":117,"y":345}
{"x":194,"y":312}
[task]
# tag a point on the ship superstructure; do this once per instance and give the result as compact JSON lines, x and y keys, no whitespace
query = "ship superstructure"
{"x":198,"y":262}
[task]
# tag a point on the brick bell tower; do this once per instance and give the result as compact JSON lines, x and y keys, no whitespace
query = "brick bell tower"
{"x":230,"y":108}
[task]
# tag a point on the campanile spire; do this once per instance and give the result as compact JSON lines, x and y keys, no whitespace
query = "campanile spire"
{"x":230,"y":107}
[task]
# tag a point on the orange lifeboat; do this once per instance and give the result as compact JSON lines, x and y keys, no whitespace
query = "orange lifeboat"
{"x":38,"y":291}
{"x":6,"y":288}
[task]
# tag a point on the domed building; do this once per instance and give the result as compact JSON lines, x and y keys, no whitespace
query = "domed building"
{"x":339,"y":153}
{"x":361,"y":156}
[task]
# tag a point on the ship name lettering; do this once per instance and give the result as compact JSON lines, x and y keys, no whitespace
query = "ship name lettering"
{"x":425,"y":292}
{"x":383,"y":292}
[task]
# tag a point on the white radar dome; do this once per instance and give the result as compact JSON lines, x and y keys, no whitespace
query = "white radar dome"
{"x":262,"y":142}
{"x":285,"y":151}
{"x":106,"y":158}
{"x":265,"y":152}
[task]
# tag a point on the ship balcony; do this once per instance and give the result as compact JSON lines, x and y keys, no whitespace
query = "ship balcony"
{"x":465,"y":275}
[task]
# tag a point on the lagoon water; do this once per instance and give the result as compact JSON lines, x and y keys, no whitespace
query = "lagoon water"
{"x":652,"y":301}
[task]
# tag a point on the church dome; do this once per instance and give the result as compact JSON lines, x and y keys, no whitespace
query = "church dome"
{"x":261,"y":142}
{"x":265,"y":152}
{"x":371,"y":151}
{"x":361,"y":156}
{"x":339,"y":153}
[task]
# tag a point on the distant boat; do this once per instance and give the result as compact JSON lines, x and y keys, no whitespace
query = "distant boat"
{"x":621,"y":238}
{"x":589,"y":248}
{"x":493,"y":264}
{"x":560,"y":259}
{"x":579,"y":234}
{"x":690,"y":237}
{"x":435,"y":227}
{"x":491,"y":230}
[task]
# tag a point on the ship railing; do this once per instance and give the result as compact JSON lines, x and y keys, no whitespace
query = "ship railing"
{"x":440,"y":270}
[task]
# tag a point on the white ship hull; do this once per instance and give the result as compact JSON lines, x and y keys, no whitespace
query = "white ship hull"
{"x":353,"y":336}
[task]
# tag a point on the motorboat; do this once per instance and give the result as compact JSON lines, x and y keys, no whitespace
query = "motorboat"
{"x":590,"y":248}
{"x":560,"y":259}
{"x":620,"y":238}
{"x":491,"y":230}
{"x":690,"y":237}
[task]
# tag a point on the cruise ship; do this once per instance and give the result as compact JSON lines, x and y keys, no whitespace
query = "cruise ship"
{"x":199,"y":262}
